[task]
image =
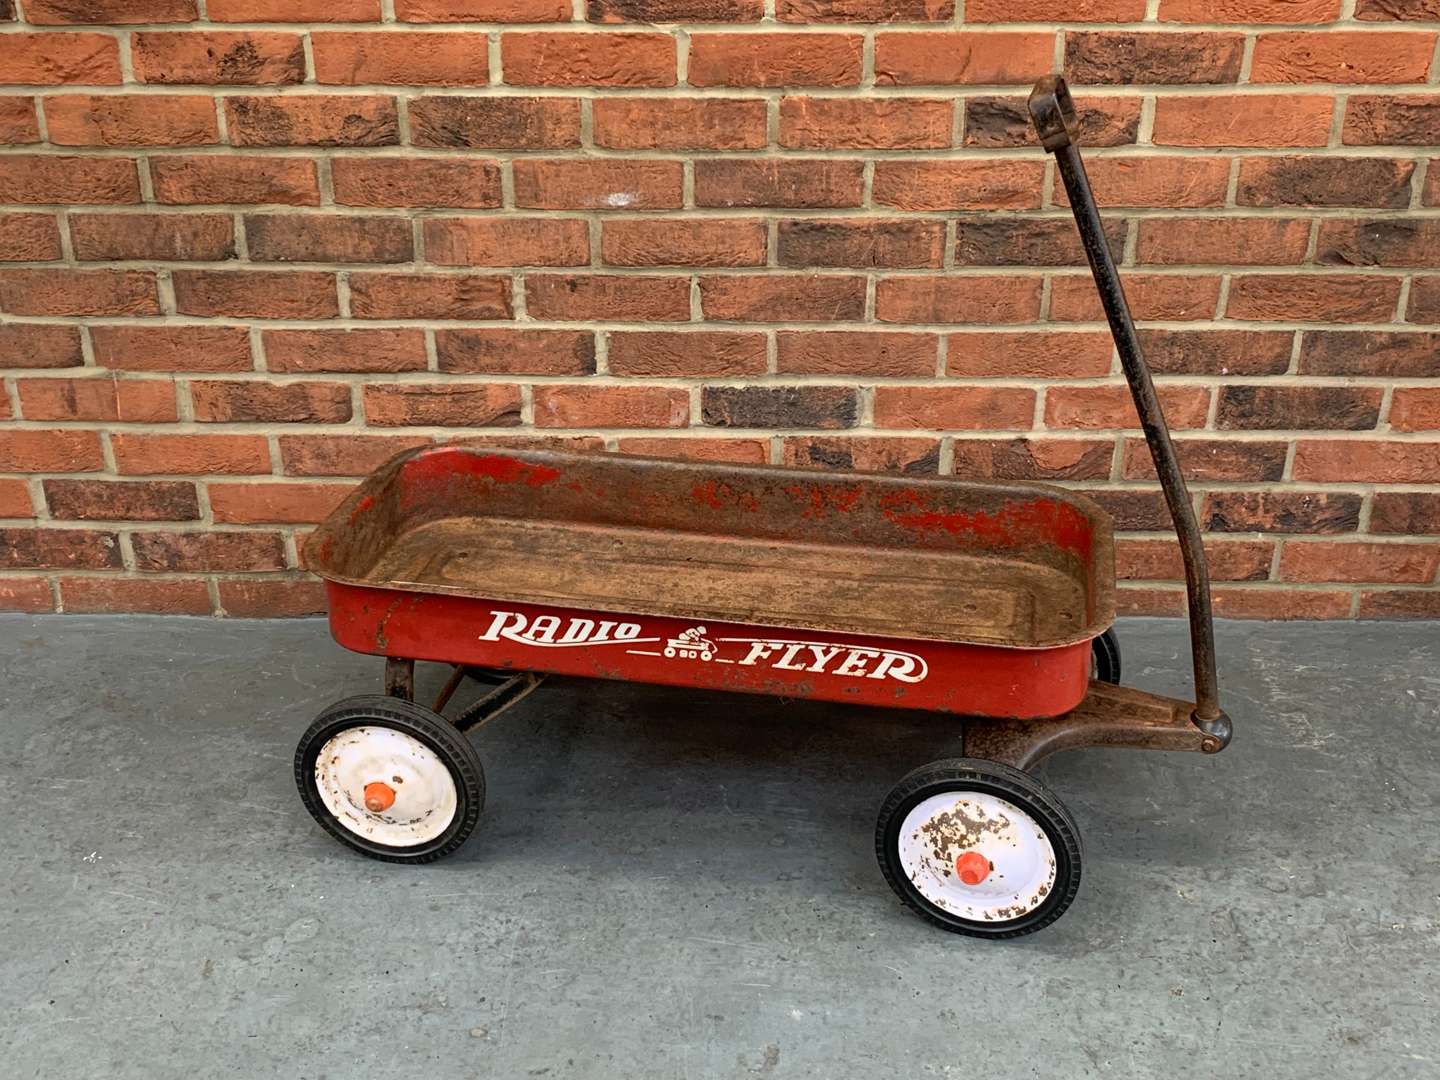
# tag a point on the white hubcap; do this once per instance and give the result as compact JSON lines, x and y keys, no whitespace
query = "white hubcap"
{"x":395,"y":768}
{"x":977,"y":856}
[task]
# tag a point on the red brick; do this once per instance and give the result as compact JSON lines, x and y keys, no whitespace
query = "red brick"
{"x":1362,"y":352}
{"x":1249,"y":11}
{"x":887,"y":454}
{"x":507,"y":241}
{"x":223,"y":58}
{"x":211,"y":179}
{"x":516,"y":352}
{"x":33,"y":345}
{"x":284,"y":599}
{"x":1005,"y":122}
{"x":65,"y":12}
{"x":1132,"y":600}
{"x":1313,"y":297}
{"x":779,"y":406}
{"x":256,"y":294}
{"x":1033,"y":459}
{"x":1253,"y":241}
{"x":738,"y":451}
{"x":328,"y":238}
{"x":1417,"y":10}
{"x":1280,"y":512}
{"x":18,"y":124}
{"x":1409,"y":513}
{"x":176,"y":552}
{"x":951,"y":298}
{"x":483,"y":11}
{"x":429,"y":296}
{"x":31,"y":594}
{"x":1382,"y":242}
{"x":982,"y":11}
{"x":57,"y":549}
{"x":823,"y":183}
{"x":1392,"y":120}
{"x":1029,"y":355}
{"x":1324,"y":181}
{"x":172,"y":348}
{"x":1288,"y":408}
{"x":605,"y":298}
{"x":1340,"y":56}
{"x":1415,"y":408}
{"x":189,"y":455}
{"x":768,"y":59}
{"x":101,"y":398}
{"x":598,"y":184}
{"x":959,"y":185}
{"x":1424,"y":300}
{"x":628,"y":123}
{"x":122,"y":500}
{"x":861,"y":242}
{"x":1253,"y":603}
{"x":59,"y":59}
{"x":269,"y":403}
{"x":342,"y":455}
{"x":117,"y":594}
{"x":501,"y":123}
{"x":662,"y":11}
{"x":684,"y":242}
{"x":1159,"y":560}
{"x":401,"y":58}
{"x":52,"y":178}
{"x":866,"y":353}
{"x":415,"y":182}
{"x":302,"y":11}
{"x":562,"y":58}
{"x":274,"y":503}
{"x":329,"y":120}
{"x":951,"y":58}
{"x":1373,"y":462}
{"x":1250,"y":120}
{"x":345,"y":350}
{"x":864,"y":11}
{"x":686,"y":354}
{"x":1333,"y":561}
{"x":996,"y":240}
{"x":973,"y":408}
{"x":1218,"y":352}
{"x":131,"y":120}
{"x":611,"y":406}
{"x":1211,"y":459}
{"x":152,"y":237}
{"x":15,"y":499}
{"x":29,"y":238}
{"x":1400,"y":604}
{"x":1130,"y":58}
{"x":78,"y":292}
{"x":1156,"y":181}
{"x":866,"y":123}
{"x":774,"y":297}
{"x":1111,"y":407}
{"x":449,"y":405}
{"x":1167,"y":297}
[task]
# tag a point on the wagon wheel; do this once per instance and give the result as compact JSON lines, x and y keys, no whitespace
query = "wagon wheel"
{"x":390,"y":778}
{"x":1105,"y":658}
{"x":979,"y":848}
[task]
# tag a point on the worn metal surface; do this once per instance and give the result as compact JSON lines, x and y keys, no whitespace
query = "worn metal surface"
{"x":1024,"y":566}
{"x":497,"y":700}
{"x":400,"y":677}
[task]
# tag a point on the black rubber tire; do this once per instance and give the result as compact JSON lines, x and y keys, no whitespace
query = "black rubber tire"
{"x":448,"y":744}
{"x":974,"y":774}
{"x":1105,"y":662}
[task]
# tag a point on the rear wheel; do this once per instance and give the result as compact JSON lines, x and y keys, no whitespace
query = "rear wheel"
{"x":1105,"y":658}
{"x":390,"y":779}
{"x":979,"y":848}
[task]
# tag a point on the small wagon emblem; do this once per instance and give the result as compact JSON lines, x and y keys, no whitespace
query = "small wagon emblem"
{"x":691,"y":645}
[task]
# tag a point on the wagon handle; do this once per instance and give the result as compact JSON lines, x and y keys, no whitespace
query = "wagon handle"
{"x":1053,"y":112}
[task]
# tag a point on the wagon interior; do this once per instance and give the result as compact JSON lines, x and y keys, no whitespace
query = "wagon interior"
{"x":1024,"y":566}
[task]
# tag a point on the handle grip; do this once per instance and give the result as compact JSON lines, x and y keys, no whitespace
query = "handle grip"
{"x":1052,"y":110}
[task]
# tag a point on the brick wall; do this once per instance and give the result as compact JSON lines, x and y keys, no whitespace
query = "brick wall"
{"x":254,"y":247}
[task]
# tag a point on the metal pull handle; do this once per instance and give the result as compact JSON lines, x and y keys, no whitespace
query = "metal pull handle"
{"x":1053,"y":113}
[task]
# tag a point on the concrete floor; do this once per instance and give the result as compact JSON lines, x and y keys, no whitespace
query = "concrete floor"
{"x":669,"y":884}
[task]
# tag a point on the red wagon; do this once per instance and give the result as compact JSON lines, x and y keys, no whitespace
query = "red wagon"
{"x":993,"y":602}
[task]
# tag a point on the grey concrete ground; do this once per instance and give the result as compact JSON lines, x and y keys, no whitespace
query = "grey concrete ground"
{"x":669,"y":884}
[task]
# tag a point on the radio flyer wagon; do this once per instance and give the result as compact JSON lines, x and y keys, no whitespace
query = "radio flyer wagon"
{"x":993,"y":602}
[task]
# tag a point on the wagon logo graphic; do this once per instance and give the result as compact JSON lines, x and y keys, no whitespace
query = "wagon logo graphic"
{"x":784,"y":654}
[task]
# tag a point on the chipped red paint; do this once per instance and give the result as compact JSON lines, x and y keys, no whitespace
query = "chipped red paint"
{"x":973,"y":680}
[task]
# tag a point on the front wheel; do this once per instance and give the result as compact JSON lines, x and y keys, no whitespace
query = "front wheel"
{"x":979,"y":848}
{"x":1105,"y":658}
{"x":390,"y":779}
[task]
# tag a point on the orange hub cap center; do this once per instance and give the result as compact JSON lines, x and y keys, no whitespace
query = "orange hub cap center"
{"x":379,"y":797}
{"x":971,"y":867}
